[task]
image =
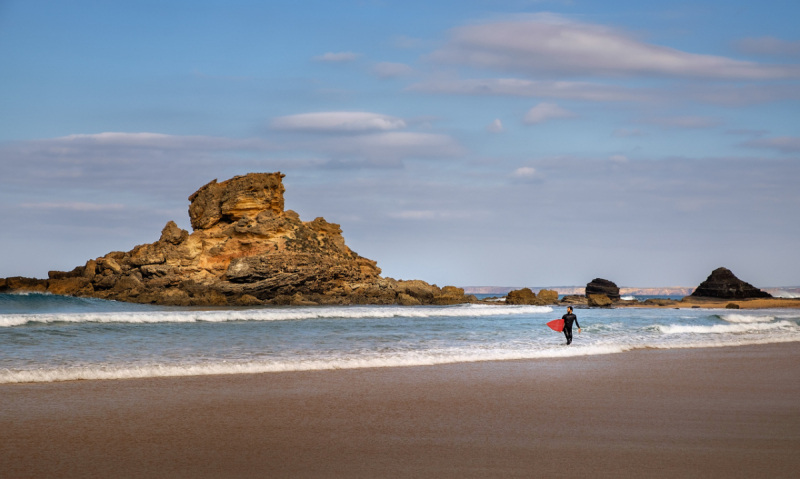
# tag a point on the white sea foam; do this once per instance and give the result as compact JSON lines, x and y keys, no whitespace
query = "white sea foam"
{"x":786,"y":294}
{"x":746,"y":318}
{"x":628,"y":298}
{"x":427,"y":358}
{"x":269,"y":314}
{"x":726,"y":328}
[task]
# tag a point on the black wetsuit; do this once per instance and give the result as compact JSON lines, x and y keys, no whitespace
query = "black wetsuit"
{"x":568,"y":319}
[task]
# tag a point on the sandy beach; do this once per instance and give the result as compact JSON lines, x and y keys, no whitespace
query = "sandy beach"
{"x":717,"y":412}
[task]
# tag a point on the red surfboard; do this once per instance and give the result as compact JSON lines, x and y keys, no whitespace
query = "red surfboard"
{"x":556,"y":325}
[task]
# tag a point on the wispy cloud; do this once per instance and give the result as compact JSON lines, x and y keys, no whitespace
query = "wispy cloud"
{"x":338,"y":121}
{"x":391,"y":70}
{"x":546,"y":111}
{"x":785,"y":144}
{"x":495,"y":127}
{"x":553,"y":45}
{"x":688,"y":121}
{"x":769,"y":46}
{"x":338,"y":57}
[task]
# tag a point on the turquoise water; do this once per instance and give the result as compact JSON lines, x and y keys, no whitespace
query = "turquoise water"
{"x":53,"y":338}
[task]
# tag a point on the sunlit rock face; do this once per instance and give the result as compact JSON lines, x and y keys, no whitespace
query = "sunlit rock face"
{"x":245,"y":250}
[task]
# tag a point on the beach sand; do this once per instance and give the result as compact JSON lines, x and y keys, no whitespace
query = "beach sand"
{"x":718,"y":412}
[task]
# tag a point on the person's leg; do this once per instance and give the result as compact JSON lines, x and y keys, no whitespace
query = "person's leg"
{"x":568,"y":334}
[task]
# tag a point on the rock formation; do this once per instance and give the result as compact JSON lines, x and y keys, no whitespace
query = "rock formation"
{"x":527,"y":296}
{"x":598,"y":300}
{"x":603,"y":286}
{"x":244,"y":250}
{"x":723,"y":284}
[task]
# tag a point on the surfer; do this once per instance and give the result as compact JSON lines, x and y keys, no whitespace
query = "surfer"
{"x":568,"y":319}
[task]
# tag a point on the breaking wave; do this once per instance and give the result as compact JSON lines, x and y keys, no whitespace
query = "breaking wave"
{"x":273,"y":314}
{"x":745,"y":318}
{"x":726,"y":328}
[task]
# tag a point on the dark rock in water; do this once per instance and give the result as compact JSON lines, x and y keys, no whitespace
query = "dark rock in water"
{"x":603,"y":286}
{"x":599,"y":300}
{"x":523,"y":296}
{"x":548,"y":296}
{"x":660,"y":302}
{"x":731,"y":306}
{"x":722,"y":283}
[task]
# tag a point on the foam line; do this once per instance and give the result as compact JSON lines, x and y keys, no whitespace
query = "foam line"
{"x":725,"y":328}
{"x":428,"y":358}
{"x":271,"y":314}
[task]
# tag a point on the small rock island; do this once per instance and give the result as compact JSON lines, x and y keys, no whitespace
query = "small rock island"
{"x":246,"y":250}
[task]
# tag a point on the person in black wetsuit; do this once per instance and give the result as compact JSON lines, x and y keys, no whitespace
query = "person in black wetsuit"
{"x":568,"y":319}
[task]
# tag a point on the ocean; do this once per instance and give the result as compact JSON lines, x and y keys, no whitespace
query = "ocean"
{"x":57,"y":338}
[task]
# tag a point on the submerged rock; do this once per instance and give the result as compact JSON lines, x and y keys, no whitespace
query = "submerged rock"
{"x":722,"y":283}
{"x":245,"y":250}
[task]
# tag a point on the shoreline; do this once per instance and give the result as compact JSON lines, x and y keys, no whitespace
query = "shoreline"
{"x":711,"y":412}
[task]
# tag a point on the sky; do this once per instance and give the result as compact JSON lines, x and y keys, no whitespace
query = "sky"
{"x":507,"y":143}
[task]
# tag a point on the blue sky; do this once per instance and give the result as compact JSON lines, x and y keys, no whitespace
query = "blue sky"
{"x":468,"y":143}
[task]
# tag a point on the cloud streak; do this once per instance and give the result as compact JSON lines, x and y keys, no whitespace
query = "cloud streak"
{"x":338,"y":121}
{"x":554,"y":46}
{"x":546,"y":111}
{"x":339,"y":57}
{"x":784,"y":144}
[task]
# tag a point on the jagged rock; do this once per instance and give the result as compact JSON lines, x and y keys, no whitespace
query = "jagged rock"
{"x":245,"y":249}
{"x":722,"y":283}
{"x":603,"y":286}
{"x":548,"y":296}
{"x":599,"y":300}
{"x":523,"y":296}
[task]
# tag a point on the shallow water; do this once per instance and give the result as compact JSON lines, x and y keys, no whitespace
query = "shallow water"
{"x":53,"y":338}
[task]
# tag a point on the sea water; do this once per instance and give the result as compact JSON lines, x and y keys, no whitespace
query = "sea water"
{"x":56,"y":338}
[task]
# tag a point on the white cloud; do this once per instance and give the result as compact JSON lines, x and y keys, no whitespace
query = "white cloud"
{"x":546,"y":111}
{"x":391,"y":70}
{"x":690,"y":122}
{"x":626,"y":133}
{"x":569,"y":90}
{"x":338,"y":121}
{"x":553,"y":45}
{"x":785,"y":144}
{"x":524,"y":172}
{"x":495,"y":127}
{"x":340,"y":57}
{"x":768,"y":46}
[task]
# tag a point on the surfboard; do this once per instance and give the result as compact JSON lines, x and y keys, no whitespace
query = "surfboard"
{"x":556,"y":325}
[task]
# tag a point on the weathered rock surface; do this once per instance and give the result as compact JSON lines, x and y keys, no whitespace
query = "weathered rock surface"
{"x":245,"y":250}
{"x":523,"y":296}
{"x":723,"y":284}
{"x":660,"y":302}
{"x":575,"y":300}
{"x":599,"y":300}
{"x":603,"y":286}
{"x":548,"y":296}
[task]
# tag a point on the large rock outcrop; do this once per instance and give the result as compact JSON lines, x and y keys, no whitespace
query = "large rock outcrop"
{"x":603,"y":286}
{"x":245,"y":250}
{"x":723,"y":284}
{"x":527,"y":296}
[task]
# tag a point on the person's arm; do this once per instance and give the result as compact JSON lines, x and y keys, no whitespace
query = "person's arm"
{"x":578,"y":325}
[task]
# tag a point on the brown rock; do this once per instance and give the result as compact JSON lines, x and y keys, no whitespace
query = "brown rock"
{"x":233,"y":198}
{"x":172,"y":234}
{"x":660,"y":302}
{"x":70,"y":286}
{"x":407,"y":300}
{"x":576,"y":299}
{"x":523,"y":296}
{"x":247,"y":300}
{"x":603,"y":286}
{"x":731,"y":306}
{"x":599,"y":300}
{"x":20,"y":283}
{"x":90,"y":269}
{"x":548,"y":296}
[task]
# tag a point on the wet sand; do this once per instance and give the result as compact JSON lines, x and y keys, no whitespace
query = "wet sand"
{"x":717,"y":412}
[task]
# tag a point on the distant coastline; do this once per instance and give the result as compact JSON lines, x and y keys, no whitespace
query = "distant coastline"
{"x":626,"y":291}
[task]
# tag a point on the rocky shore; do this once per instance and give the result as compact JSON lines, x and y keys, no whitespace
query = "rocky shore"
{"x":245,"y":249}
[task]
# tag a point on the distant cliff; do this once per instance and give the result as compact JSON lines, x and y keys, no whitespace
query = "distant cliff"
{"x":245,"y":250}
